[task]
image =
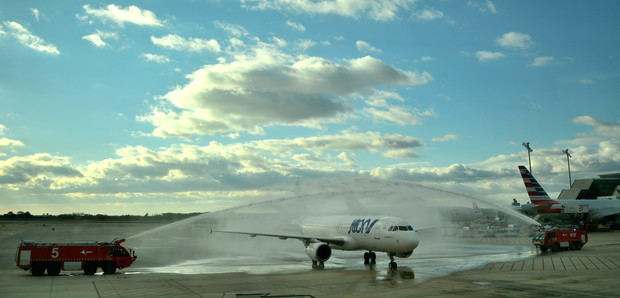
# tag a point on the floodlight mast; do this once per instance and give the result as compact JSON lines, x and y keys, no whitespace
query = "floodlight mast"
{"x":568,"y":157}
{"x":529,"y":150}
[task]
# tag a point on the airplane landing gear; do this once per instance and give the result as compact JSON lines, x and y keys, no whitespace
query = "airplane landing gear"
{"x":370,"y":258}
{"x":318,"y":265}
{"x":393,"y":264}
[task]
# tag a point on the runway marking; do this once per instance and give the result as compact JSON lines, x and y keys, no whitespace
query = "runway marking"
{"x":96,"y":290}
{"x":184,"y":287}
{"x":562,"y":261}
{"x":604,"y":263}
{"x":589,"y":259}
{"x":582,"y":263}
{"x":611,"y":260}
{"x":571,"y":261}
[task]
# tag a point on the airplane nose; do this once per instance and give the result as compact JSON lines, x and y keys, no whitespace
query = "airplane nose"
{"x":414,"y":240}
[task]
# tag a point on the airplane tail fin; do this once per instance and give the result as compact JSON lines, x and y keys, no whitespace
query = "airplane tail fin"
{"x":537,"y":194}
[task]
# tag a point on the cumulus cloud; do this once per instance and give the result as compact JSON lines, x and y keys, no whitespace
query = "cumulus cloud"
{"x":30,"y":40}
{"x":264,"y":86}
{"x":119,"y":15}
{"x":8,"y":143}
{"x":541,"y":61}
{"x":155,"y":58}
{"x":428,"y":14}
{"x":446,"y":138}
{"x":97,"y":38}
{"x":178,"y":43}
{"x":515,"y":40}
{"x":25,"y":169}
{"x":365,"y":47}
{"x":586,"y":81}
{"x":486,"y":56}
{"x":383,"y":10}
{"x":368,"y":141}
{"x":296,"y":26}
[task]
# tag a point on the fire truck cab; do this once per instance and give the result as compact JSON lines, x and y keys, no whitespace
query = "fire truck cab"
{"x":87,"y":256}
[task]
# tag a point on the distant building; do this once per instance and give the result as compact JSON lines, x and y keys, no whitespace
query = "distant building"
{"x":605,"y":187}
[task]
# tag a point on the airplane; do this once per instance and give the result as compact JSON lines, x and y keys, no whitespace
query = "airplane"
{"x":595,"y":209}
{"x":320,"y":235}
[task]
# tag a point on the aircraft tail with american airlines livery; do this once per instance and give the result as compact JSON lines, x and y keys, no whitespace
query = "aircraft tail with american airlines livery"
{"x":537,"y":194}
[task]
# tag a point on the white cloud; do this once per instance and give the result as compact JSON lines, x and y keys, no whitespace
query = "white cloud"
{"x":25,"y":169}
{"x":365,"y":47}
{"x":35,"y":13}
{"x":8,"y":143}
{"x":119,"y":15}
{"x":305,"y":44}
{"x":233,"y":29}
{"x":26,"y":38}
{"x":446,"y":138}
{"x":542,"y":61}
{"x":155,"y":58}
{"x":586,"y":81}
{"x":296,"y":26}
{"x":428,"y":14}
{"x":2,"y":129}
{"x":2,"y":30}
{"x":382,"y":10}
{"x":399,"y":115}
{"x":515,"y":40}
{"x":178,"y":43}
{"x":485,"y":6}
{"x":486,"y":56}
{"x":264,"y":86}
{"x":602,"y":128}
{"x":368,"y":141}
{"x":97,"y":38}
{"x":426,"y":58}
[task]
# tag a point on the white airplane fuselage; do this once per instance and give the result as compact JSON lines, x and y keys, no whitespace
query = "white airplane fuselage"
{"x":384,"y":234}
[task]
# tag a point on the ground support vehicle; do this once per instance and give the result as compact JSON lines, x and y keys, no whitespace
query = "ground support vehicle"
{"x":560,"y":239}
{"x":88,"y":256}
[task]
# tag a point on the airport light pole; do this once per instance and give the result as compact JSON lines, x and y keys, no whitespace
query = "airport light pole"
{"x":568,"y":157}
{"x":529,"y":150}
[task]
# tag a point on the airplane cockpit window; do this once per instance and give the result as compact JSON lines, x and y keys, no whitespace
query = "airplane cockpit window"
{"x":410,"y":228}
{"x":402,"y":228}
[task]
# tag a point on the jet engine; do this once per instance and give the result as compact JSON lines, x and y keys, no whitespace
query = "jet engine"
{"x":404,"y":254}
{"x":319,"y":251}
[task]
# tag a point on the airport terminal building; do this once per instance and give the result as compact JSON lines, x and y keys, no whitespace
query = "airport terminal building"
{"x":605,"y":187}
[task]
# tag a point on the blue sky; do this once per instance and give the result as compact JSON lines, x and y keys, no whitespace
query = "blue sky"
{"x":159,"y":106}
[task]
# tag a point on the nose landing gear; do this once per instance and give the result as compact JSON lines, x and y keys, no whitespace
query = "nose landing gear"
{"x":393,"y":264}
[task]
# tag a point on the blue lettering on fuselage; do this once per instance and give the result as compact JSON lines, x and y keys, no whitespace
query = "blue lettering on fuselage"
{"x":362,"y":226}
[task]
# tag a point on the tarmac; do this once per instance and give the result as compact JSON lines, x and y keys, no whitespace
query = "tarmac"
{"x":593,"y":271}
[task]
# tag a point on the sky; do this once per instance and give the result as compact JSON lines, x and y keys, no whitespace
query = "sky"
{"x":134,"y":107}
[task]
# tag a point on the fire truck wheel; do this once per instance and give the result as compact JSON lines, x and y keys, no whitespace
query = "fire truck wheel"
{"x":543,"y":248}
{"x":577,"y":245}
{"x":90,"y":268}
{"x":109,"y":267}
{"x":555,"y":247}
{"x":53,"y":268}
{"x":38,"y":268}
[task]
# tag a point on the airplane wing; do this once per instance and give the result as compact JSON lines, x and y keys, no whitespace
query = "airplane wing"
{"x":306,"y":238}
{"x":601,"y":213}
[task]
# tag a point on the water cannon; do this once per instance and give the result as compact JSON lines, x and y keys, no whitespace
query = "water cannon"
{"x":118,"y":241}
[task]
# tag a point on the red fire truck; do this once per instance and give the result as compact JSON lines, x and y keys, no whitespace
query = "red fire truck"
{"x":558,"y":239}
{"x":87,"y":256}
